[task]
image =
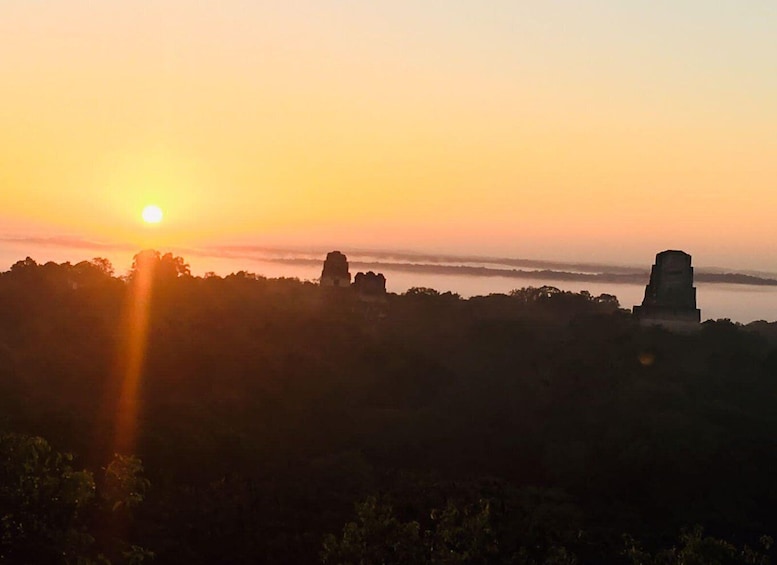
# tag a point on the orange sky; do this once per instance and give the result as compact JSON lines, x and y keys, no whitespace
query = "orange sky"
{"x":603,"y":133}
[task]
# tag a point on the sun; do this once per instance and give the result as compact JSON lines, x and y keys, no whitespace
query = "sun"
{"x":152,"y":214}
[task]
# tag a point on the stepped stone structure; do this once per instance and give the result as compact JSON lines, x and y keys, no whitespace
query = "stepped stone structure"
{"x":370,"y":286}
{"x":335,"y":272}
{"x":670,"y":297}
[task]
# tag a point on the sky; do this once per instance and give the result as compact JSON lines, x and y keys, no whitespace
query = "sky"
{"x":565,"y":130}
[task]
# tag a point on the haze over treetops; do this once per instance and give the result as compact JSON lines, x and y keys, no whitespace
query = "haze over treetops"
{"x":600,"y":131}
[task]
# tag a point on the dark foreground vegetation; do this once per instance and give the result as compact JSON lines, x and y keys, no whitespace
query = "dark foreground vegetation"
{"x":280,"y":422}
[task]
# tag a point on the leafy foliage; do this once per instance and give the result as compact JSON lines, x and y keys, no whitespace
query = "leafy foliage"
{"x":124,"y":487}
{"x":697,"y":549}
{"x":454,"y":537}
{"x":42,"y":503}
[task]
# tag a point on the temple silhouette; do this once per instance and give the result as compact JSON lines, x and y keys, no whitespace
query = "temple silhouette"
{"x":335,"y":271}
{"x":670,"y":297}
{"x":370,"y":286}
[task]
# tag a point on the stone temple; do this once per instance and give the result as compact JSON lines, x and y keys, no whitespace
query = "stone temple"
{"x":335,"y":272}
{"x":370,"y":286}
{"x":670,"y":297}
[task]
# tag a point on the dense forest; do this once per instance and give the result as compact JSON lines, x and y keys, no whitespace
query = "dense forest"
{"x":167,"y":418}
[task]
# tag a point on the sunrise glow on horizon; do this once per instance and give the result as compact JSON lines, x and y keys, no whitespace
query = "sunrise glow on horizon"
{"x":604,"y":132}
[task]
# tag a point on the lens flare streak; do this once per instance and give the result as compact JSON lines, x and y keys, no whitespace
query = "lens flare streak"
{"x":132,"y":357}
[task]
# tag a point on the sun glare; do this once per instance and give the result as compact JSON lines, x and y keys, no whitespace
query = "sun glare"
{"x":152,"y":214}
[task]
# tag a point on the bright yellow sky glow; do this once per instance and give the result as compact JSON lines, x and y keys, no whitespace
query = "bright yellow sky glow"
{"x":152,"y":214}
{"x":547,"y":130}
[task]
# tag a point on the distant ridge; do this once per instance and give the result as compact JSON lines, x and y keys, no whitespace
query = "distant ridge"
{"x":415,"y":262}
{"x":487,"y":265}
{"x":545,"y":274}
